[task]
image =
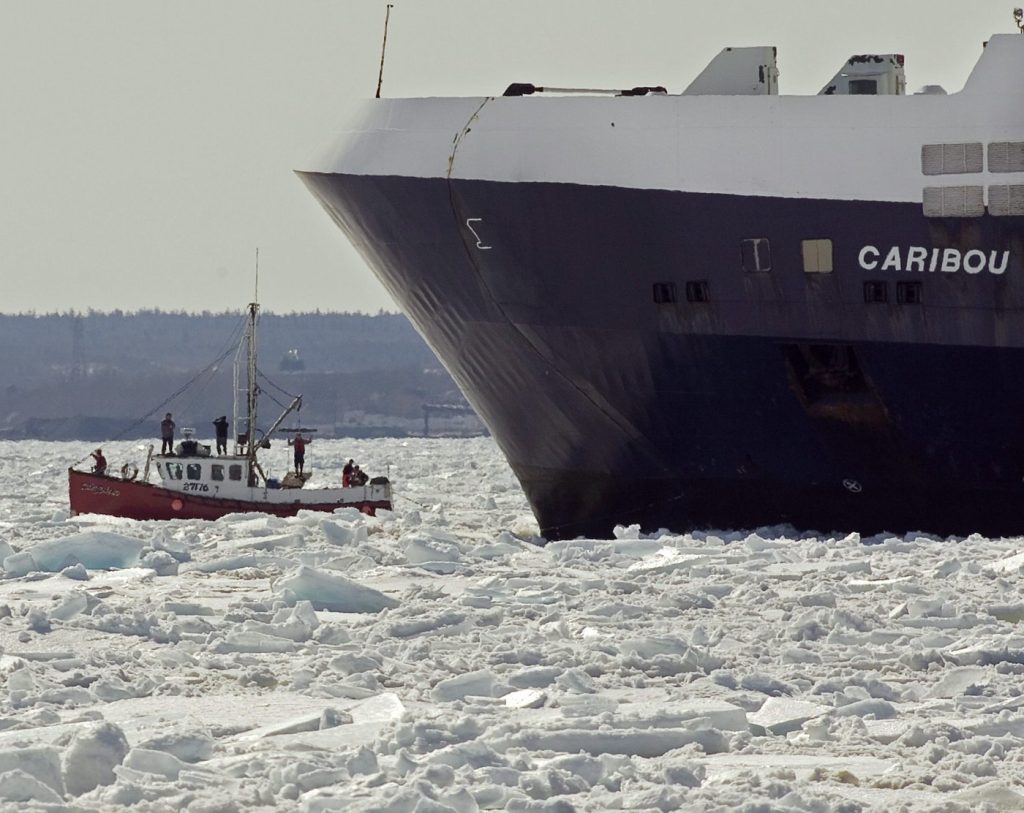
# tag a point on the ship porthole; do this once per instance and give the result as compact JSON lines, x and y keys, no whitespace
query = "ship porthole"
{"x":177,"y":505}
{"x":852,"y":486}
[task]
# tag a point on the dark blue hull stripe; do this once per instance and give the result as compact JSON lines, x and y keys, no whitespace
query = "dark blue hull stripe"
{"x":784,"y":398}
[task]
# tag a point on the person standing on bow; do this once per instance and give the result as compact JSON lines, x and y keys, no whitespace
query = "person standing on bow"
{"x":299,"y":443}
{"x":167,"y":434}
{"x":221,"y":427}
{"x":100,"y":466}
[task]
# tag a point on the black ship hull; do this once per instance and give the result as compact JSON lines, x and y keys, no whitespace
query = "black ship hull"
{"x":636,"y":367}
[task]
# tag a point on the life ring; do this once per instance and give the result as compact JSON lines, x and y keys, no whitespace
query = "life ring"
{"x":129,"y":471}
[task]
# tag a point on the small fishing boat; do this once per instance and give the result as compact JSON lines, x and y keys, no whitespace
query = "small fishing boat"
{"x":193,"y":484}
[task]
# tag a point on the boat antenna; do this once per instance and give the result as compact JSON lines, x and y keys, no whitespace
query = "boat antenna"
{"x":383,"y":47}
{"x":1018,"y":17}
{"x":256,"y":288}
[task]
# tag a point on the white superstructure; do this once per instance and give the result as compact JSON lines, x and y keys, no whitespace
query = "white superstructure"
{"x":840,"y":147}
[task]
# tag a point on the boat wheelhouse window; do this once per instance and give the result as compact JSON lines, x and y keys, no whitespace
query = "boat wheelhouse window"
{"x":235,"y":471}
{"x":863,"y":87}
{"x":173,"y":471}
{"x":664,"y":292}
{"x":953,"y":201}
{"x":1006,"y":201}
{"x":160,"y":469}
{"x":909,"y":293}
{"x":697,"y":291}
{"x":876,"y":292}
{"x":756,"y":254}
{"x":1006,"y":156}
{"x":216,"y":472}
{"x":817,"y":256}
{"x":194,"y":471}
{"x":952,"y":159}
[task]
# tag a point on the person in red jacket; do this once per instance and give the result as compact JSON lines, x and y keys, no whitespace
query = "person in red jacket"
{"x":100,"y":466}
{"x":299,"y":443}
{"x":346,"y":474}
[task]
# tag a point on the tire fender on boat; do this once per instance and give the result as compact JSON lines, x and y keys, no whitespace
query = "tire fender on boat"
{"x":129,"y":471}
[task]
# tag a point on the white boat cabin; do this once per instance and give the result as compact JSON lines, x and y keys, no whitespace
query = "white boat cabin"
{"x":227,"y":478}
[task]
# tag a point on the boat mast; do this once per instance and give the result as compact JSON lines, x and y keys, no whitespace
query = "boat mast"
{"x":251,"y":386}
{"x":251,"y":378}
{"x":252,"y":442}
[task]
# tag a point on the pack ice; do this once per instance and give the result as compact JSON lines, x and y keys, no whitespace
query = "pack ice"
{"x":440,"y":658}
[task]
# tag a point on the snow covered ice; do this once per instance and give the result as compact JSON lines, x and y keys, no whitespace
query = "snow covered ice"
{"x":436,"y":658}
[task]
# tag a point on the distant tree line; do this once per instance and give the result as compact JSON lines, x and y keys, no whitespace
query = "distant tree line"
{"x":351,"y":368}
{"x":39,"y":347}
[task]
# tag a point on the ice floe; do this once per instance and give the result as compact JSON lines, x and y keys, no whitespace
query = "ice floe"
{"x":439,"y":658}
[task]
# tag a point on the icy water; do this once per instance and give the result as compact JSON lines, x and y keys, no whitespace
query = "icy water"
{"x":437,"y":659}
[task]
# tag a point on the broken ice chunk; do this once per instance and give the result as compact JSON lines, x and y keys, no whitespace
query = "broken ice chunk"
{"x":326,"y":591}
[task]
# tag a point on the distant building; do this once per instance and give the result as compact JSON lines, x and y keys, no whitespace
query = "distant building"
{"x":290,"y":362}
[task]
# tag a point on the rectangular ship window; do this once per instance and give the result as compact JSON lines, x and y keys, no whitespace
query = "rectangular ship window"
{"x":954,"y":201}
{"x":194,"y":471}
{"x":1006,"y":156}
{"x":1006,"y":201}
{"x":951,"y":159}
{"x":756,"y":254}
{"x":909,"y":293}
{"x":173,"y":471}
{"x":863,"y":87}
{"x":216,"y":472}
{"x":235,"y":472}
{"x":697,"y":291}
{"x":875,"y":292}
{"x":817,"y":256}
{"x":664,"y":292}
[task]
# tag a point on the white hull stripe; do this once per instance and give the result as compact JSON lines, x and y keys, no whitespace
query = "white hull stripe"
{"x":826,"y":147}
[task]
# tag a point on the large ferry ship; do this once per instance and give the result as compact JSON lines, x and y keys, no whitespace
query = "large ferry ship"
{"x":723,"y":308}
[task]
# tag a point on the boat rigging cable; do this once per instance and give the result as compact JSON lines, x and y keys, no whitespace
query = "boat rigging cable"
{"x":261,"y":374}
{"x":232,"y":342}
{"x":202,"y":386}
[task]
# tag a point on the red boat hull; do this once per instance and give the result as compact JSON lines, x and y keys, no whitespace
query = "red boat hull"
{"x":98,"y":494}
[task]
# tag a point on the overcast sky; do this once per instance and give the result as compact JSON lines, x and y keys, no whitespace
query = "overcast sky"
{"x":147,"y":148}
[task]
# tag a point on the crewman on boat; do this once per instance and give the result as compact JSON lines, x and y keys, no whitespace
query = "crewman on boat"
{"x":221,"y":427}
{"x":100,"y":466}
{"x":299,"y":443}
{"x":167,"y":434}
{"x":346,"y":474}
{"x":359,"y":477}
